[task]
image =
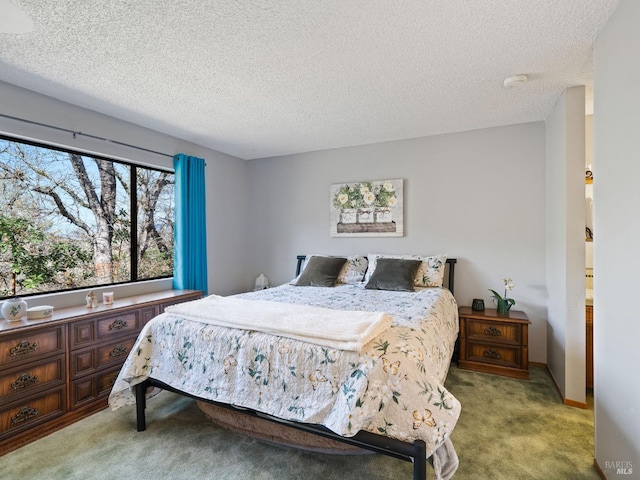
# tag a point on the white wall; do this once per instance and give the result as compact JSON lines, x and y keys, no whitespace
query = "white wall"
{"x":617,"y":241}
{"x":226,"y":178}
{"x":565,"y":157}
{"x":478,"y":196}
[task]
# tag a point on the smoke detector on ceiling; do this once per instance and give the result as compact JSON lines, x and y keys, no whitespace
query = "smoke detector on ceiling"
{"x":515,"y":81}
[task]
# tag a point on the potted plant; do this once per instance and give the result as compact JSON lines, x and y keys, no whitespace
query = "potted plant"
{"x":503,"y":303}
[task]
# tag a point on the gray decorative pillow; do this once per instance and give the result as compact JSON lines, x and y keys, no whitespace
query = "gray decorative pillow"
{"x":321,"y":272}
{"x":394,"y":274}
{"x":430,"y":273}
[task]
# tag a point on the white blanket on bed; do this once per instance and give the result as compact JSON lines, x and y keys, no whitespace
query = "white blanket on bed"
{"x":339,"y":329}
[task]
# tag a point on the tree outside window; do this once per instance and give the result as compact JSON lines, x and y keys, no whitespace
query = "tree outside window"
{"x":67,"y":220}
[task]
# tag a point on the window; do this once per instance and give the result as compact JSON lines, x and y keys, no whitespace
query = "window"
{"x":70,"y":220}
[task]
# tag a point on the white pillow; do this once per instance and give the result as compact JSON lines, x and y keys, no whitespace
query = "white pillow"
{"x":351,"y":273}
{"x":430,"y":273}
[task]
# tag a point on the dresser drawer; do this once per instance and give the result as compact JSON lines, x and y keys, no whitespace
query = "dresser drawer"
{"x":91,"y":359}
{"x":494,"y":332}
{"x":146,"y":314}
{"x":115,"y":352}
{"x":106,"y":379}
{"x":88,"y":389}
{"x":110,"y":327}
{"x":497,"y":354}
{"x":25,"y":347}
{"x":83,"y":334}
{"x":82,"y":362}
{"x":23,"y":381}
{"x":29,"y":413}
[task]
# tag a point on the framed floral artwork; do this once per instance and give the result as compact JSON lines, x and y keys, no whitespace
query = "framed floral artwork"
{"x":367,"y":209}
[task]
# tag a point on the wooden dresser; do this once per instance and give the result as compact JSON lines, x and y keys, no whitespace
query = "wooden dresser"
{"x":494,"y":343}
{"x":56,"y":371}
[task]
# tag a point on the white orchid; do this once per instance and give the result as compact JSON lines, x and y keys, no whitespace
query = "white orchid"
{"x":508,"y":285}
{"x":504,"y":303}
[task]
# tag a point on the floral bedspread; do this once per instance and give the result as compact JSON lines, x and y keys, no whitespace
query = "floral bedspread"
{"x":393,"y":387}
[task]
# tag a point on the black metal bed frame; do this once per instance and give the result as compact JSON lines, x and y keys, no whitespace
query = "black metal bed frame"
{"x":415,"y":452}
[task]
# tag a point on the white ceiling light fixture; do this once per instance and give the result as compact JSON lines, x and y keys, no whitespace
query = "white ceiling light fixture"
{"x":515,"y":81}
{"x":14,"y":20}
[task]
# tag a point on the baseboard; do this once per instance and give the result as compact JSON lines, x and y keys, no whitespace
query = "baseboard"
{"x":566,"y":401}
{"x":573,"y":403}
{"x":599,"y":470}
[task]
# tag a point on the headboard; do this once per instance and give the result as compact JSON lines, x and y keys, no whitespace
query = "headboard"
{"x":449,"y":272}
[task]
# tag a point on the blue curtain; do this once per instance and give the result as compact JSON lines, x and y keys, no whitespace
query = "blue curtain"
{"x":190,"y":233}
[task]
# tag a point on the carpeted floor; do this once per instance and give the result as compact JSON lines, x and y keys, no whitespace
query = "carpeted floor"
{"x":509,"y":429}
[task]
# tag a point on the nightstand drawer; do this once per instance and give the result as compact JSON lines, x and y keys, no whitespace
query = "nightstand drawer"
{"x":508,"y":333}
{"x":24,"y":381}
{"x":493,"y":343}
{"x":494,"y":354}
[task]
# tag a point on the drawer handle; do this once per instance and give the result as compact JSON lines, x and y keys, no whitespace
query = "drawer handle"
{"x":493,"y":331}
{"x":23,"y":348}
{"x":25,"y":380}
{"x":25,"y":414}
{"x":118,"y":350}
{"x":492,"y":353}
{"x":118,"y":324}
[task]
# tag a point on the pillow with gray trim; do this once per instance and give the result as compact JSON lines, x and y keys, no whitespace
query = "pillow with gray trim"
{"x":395,"y":274}
{"x":430,"y":273}
{"x":352,"y":272}
{"x":321,"y":272}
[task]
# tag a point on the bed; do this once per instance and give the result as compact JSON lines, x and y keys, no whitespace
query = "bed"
{"x":384,"y":393}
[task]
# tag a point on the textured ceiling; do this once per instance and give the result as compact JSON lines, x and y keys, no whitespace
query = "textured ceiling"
{"x":258,"y":78}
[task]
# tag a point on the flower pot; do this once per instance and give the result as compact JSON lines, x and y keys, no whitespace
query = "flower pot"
{"x":383,"y":215}
{"x":365,"y":215}
{"x":14,"y":309}
{"x":348,"y":215}
{"x":503,"y":305}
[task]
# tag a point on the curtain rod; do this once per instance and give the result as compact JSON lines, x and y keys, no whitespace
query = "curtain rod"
{"x":95,"y":137}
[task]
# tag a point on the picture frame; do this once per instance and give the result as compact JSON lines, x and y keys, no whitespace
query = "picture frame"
{"x":367,"y":209}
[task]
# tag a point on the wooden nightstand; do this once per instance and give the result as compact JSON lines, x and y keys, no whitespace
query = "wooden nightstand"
{"x":494,"y":343}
